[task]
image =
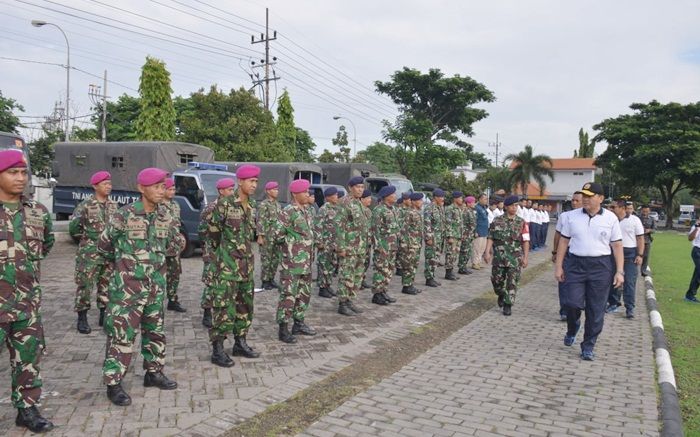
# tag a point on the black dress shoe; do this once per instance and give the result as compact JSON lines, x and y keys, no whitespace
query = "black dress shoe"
{"x":302,"y":328}
{"x":432,"y":283}
{"x":101,"y":322}
{"x":31,"y":419}
{"x":464,"y":271}
{"x":407,"y":290}
{"x":118,"y":396}
{"x":241,"y":348}
{"x":174,"y":305}
{"x":344,"y":309}
{"x":388,"y":297}
{"x":83,"y":326}
{"x":324,"y":292}
{"x":219,"y":356}
{"x":506,"y":310}
{"x":206,"y":318}
{"x":365,"y":285}
{"x":353,"y":308}
{"x":157,"y":379}
{"x":379,"y":299}
{"x":399,"y":272}
{"x":284,"y":335}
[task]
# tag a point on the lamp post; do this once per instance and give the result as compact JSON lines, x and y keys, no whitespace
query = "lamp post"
{"x":354,"y":133}
{"x":40,"y":23}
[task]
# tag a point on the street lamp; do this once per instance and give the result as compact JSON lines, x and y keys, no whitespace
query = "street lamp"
{"x":40,"y":23}
{"x":354,"y":133}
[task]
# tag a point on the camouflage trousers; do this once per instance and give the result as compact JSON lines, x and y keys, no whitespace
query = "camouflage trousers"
{"x":451,"y":252}
{"x":384,"y":267}
{"x":400,"y":257}
{"x":465,"y":253}
{"x":207,"y":293}
{"x":432,"y":259}
{"x":25,"y":342}
{"x":325,"y":266}
{"x":295,"y":294}
{"x":505,"y":282}
{"x":367,"y":262}
{"x":351,"y":271}
{"x":172,"y":276}
{"x":122,"y":322}
{"x":88,"y":276}
{"x":270,"y":257}
{"x":410,"y":266}
{"x":232,"y":309}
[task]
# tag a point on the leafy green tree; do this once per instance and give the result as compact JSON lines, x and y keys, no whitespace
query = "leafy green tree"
{"x":434,"y":110}
{"x":341,"y":141}
{"x":328,"y":156}
{"x":9,"y":122}
{"x":121,"y":118}
{"x":156,"y":118}
{"x":286,"y":130}
{"x":449,"y":182}
{"x":380,"y":154}
{"x":303,"y":152}
{"x":495,"y":178}
{"x":658,"y":145}
{"x":586,"y":148}
{"x":528,"y":166}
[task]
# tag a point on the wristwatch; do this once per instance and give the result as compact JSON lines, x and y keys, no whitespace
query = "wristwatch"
{"x":620,"y":273}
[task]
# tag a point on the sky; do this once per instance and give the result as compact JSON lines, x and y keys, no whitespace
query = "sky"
{"x":554,"y":66}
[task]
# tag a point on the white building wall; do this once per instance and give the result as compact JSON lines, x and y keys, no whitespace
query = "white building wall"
{"x":567,"y":181}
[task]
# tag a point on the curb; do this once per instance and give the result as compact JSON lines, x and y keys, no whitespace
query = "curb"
{"x":671,"y":422}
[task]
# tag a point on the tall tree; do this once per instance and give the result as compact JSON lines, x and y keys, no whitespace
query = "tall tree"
{"x":434,"y":110}
{"x":156,"y":119}
{"x":328,"y":156}
{"x":656,"y":146}
{"x":341,"y":141}
{"x":9,"y":122}
{"x":586,"y":147}
{"x":121,"y":118}
{"x":305,"y":146}
{"x":286,"y":131}
{"x":528,"y":166}
{"x":380,"y":154}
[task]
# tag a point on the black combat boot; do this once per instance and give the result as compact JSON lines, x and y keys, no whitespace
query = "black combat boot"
{"x":332,"y":292}
{"x":101,"y":322}
{"x":449,"y":275}
{"x":379,"y":299}
{"x":267,"y":285}
{"x":415,"y":290}
{"x":501,"y":299}
{"x":83,"y":326}
{"x":344,"y":309}
{"x":284,"y":334}
{"x":399,"y":272}
{"x":324,"y":292}
{"x":274,"y":284}
{"x":241,"y":348}
{"x":206,"y":318}
{"x":174,"y":305}
{"x":506,"y":309}
{"x":432,"y":283}
{"x":464,"y":271}
{"x":353,"y":308}
{"x":302,"y":328}
{"x":388,"y":297}
{"x":31,"y":419}
{"x":365,"y":285}
{"x":407,"y":290}
{"x":219,"y":356}
{"x":157,"y":379}
{"x":118,"y":396}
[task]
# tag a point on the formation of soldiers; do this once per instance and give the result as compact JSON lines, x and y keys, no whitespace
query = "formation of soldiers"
{"x":130,"y":255}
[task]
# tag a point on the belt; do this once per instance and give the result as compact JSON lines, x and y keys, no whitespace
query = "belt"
{"x":589,"y":257}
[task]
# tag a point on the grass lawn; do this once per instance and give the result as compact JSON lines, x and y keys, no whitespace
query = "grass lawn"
{"x":671,"y":269}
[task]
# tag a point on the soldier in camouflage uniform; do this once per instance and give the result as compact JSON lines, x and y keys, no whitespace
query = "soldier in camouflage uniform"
{"x":88,"y":222}
{"x":453,"y":234}
{"x":352,"y":229}
{"x":231,"y":230}
{"x":468,"y":235}
{"x":366,"y":201}
{"x":225,"y":188}
{"x":403,"y":205}
{"x":434,"y":225}
{"x":138,"y":239}
{"x":508,"y":245}
{"x":412,"y":241}
{"x":174,"y":266}
{"x":268,"y":214}
{"x":294,"y":232}
{"x":385,"y":232}
{"x":325,"y":231}
{"x":25,"y":239}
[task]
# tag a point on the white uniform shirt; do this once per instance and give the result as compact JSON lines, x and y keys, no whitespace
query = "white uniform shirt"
{"x":497,"y":212}
{"x":631,"y":227}
{"x":591,"y":236}
{"x":696,"y":241}
{"x":560,"y":221}
{"x":520,"y":212}
{"x":490,"y":215}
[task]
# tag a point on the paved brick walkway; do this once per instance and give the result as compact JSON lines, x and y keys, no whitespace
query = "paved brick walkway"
{"x":209,"y":400}
{"x":502,"y":376}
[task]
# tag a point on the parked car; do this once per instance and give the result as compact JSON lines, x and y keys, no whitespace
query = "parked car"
{"x":654,"y":215}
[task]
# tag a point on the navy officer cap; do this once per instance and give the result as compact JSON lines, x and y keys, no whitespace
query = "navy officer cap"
{"x":330,"y":191}
{"x":438,"y":193}
{"x":400,"y":201}
{"x":385,"y":191}
{"x":366,"y":193}
{"x":416,"y":196}
{"x":406,"y":195}
{"x":511,"y":200}
{"x":357,"y":180}
{"x":456,"y":194}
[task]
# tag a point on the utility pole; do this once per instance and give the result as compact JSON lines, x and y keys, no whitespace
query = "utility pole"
{"x":265,"y":38}
{"x":496,"y":145}
{"x":98,"y":96}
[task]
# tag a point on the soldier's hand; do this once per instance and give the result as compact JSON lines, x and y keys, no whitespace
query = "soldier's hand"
{"x":261,"y":240}
{"x":523,"y":262}
{"x":319,"y":246}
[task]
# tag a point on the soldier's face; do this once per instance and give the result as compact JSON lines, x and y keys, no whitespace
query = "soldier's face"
{"x":630,"y":209}
{"x":459,"y":201}
{"x":577,"y":201}
{"x":170,"y":193}
{"x":225,"y":192}
{"x":332,"y":199}
{"x":153,"y":193}
{"x":357,"y":190}
{"x":13,"y":180}
{"x":390,"y":199}
{"x":273,"y":193}
{"x":645,"y":212}
{"x":440,"y":201}
{"x":366,"y":201}
{"x":417,"y":204}
{"x":248,"y":186}
{"x":512,"y":209}
{"x":104,"y":188}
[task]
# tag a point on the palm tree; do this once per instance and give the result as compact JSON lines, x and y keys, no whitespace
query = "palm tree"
{"x":526,"y":167}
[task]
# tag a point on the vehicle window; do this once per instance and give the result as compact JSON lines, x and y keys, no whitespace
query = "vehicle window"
{"x":376,"y":185}
{"x":209,"y":185}
{"x":187,"y":186}
{"x":402,"y":186}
